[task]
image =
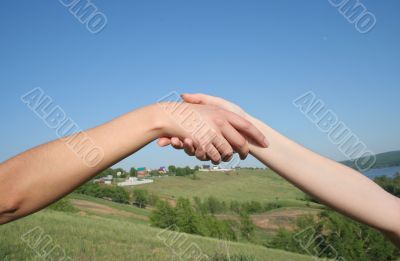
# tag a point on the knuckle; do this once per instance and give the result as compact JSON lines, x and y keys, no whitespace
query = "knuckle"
{"x":247,"y":125}
{"x":228,"y":153}
{"x":219,"y":122}
{"x":241,"y":142}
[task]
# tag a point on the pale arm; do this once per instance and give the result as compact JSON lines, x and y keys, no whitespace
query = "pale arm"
{"x":334,"y":184}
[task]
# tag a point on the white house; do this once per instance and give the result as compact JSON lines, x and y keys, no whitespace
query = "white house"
{"x":133,"y":181}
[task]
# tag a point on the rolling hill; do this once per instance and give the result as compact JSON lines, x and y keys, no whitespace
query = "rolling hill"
{"x":383,"y":160}
{"x":242,"y":185}
{"x":104,"y":230}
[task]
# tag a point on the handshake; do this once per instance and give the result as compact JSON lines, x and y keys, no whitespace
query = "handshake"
{"x":209,"y":128}
{"x":212,"y":129}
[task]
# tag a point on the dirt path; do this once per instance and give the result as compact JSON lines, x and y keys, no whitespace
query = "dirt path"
{"x":284,"y":218}
{"x":103,"y":209}
{"x":272,"y":221}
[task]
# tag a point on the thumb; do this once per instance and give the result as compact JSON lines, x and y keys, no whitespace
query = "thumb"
{"x":200,"y":98}
{"x":192,"y":98}
{"x":162,"y":142}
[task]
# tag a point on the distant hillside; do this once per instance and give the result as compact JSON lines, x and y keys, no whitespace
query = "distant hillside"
{"x":383,"y":160}
{"x":104,"y":230}
{"x":241,"y":185}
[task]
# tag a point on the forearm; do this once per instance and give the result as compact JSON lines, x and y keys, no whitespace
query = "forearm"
{"x":334,"y":184}
{"x":38,"y":177}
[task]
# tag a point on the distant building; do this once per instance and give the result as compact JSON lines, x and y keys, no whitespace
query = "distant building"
{"x":108,"y":178}
{"x":142,"y":172}
{"x":133,"y":181}
{"x":162,"y":170}
{"x":205,"y":168}
{"x":214,"y":168}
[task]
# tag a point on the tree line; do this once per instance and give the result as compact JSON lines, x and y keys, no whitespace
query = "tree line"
{"x":391,"y":185}
{"x":189,"y":218}
{"x":114,"y":193}
{"x":331,"y":233}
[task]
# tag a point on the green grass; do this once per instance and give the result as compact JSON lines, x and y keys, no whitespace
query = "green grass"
{"x":87,"y":235}
{"x":243,"y":185}
{"x":100,"y":238}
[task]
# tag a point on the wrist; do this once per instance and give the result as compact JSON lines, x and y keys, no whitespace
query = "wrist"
{"x":160,"y":117}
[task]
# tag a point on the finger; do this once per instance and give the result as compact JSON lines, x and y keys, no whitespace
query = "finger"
{"x":229,"y":159}
{"x":177,"y":143}
{"x":223,"y":147}
{"x":236,"y":140}
{"x":248,"y":129}
{"x":162,"y":142}
{"x":188,"y":146}
{"x":201,"y":154}
{"x":213,"y":154}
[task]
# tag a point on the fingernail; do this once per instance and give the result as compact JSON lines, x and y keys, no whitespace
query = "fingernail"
{"x":266,"y":143}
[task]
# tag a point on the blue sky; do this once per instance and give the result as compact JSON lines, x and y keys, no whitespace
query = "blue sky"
{"x":260,"y":54}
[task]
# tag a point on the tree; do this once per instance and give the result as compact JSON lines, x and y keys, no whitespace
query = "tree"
{"x":187,"y":219}
{"x":188,"y":171}
{"x":213,"y":205}
{"x":164,"y":216}
{"x":141,"y":197}
{"x":179,"y":172}
{"x":246,"y":226}
{"x":154,"y":173}
{"x":121,"y":170}
{"x":116,"y":194}
{"x":133,"y":172}
{"x":105,"y":173}
{"x":332,"y":233}
{"x":172,"y":169}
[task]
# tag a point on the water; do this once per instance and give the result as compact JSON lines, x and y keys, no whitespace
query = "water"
{"x":390,"y":172}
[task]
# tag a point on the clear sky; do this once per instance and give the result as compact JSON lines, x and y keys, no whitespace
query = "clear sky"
{"x":260,"y":54}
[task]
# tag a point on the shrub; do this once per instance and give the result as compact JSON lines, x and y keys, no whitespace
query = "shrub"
{"x":116,"y":194}
{"x":246,"y":226}
{"x":62,"y":205}
{"x":191,"y":219}
{"x":141,"y":197}
{"x":164,"y":216}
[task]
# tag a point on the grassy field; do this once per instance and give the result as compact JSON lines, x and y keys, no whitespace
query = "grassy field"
{"x":243,"y":185}
{"x":88,"y":236}
{"x":104,"y":230}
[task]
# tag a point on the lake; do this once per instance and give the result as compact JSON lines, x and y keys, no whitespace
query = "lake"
{"x":390,"y":172}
